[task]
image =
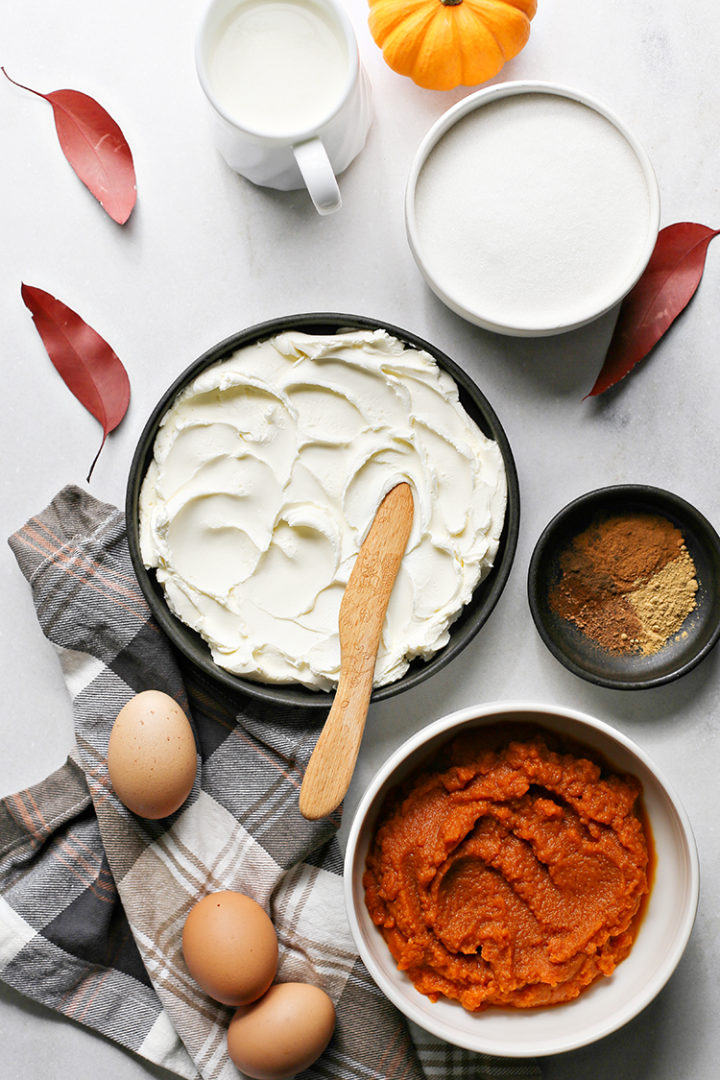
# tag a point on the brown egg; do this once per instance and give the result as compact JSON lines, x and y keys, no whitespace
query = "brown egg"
{"x":283,"y":1032}
{"x":230,"y":947}
{"x":151,"y":755}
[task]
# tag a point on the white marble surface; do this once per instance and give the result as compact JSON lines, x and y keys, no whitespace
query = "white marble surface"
{"x":206,"y":254}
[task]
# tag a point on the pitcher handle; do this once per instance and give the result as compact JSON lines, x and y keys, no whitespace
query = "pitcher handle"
{"x":318,"y":175}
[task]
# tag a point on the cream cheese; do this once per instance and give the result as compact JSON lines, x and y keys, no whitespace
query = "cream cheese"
{"x":268,"y":469}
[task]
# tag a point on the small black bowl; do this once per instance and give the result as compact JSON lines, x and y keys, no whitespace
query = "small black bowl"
{"x":574,"y":649}
{"x":472,"y":616}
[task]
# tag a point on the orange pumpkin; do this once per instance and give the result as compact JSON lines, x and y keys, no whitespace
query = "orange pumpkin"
{"x":442,"y":44}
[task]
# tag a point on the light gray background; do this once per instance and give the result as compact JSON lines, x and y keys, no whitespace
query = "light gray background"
{"x":206,"y":253}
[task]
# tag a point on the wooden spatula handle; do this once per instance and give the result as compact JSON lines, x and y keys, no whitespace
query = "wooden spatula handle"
{"x":332,"y":763}
{"x":362,"y":613}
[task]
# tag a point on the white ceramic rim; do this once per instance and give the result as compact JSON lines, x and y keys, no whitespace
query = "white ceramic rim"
{"x":417,"y":1007}
{"x":288,"y":137}
{"x":476,"y":101}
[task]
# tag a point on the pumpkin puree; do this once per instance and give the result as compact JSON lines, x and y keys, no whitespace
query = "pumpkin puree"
{"x":510,"y":873}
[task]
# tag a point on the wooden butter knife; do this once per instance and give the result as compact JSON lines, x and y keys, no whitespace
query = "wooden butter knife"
{"x":362,"y":614}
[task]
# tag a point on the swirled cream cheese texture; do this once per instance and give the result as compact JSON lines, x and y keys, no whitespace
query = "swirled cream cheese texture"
{"x":268,"y":469}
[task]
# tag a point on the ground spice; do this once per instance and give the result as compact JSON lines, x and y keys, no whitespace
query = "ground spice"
{"x":627,"y":581}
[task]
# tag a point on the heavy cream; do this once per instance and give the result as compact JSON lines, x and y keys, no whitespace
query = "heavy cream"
{"x":268,"y":469}
{"x":278,"y":66}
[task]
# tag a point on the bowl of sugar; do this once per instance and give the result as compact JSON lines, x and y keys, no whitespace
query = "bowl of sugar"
{"x":530,"y":209}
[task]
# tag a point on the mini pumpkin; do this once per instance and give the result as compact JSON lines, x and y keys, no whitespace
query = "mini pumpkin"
{"x":442,"y":44}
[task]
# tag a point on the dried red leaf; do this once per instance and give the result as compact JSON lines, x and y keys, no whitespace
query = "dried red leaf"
{"x":664,"y":290}
{"x":95,"y":147}
{"x":87,"y":364}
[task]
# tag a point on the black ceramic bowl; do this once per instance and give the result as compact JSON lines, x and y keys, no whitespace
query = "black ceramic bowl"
{"x":470,"y":619}
{"x":579,"y":653}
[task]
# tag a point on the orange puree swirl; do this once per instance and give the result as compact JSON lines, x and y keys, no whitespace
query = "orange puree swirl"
{"x":510,"y":873}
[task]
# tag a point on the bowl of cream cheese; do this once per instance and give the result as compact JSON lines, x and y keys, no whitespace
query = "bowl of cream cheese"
{"x":258,"y":475}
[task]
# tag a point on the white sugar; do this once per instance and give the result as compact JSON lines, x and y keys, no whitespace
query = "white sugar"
{"x":532,"y":211}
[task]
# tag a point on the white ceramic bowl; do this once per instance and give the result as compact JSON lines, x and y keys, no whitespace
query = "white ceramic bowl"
{"x":530,"y":208}
{"x":609,"y":1003}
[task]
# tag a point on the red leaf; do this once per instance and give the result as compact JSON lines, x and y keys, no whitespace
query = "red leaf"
{"x":95,"y":147}
{"x":87,"y":364}
{"x":664,"y":290}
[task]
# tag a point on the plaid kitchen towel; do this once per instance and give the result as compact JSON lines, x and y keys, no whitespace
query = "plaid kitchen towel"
{"x":93,"y":899}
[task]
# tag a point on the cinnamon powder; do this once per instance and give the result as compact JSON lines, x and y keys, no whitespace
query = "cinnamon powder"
{"x":627,"y":581}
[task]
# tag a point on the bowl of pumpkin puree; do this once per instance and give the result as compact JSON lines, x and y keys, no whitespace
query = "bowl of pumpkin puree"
{"x":520,"y":879}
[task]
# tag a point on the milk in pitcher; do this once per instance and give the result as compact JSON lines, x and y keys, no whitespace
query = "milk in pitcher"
{"x":278,"y":66}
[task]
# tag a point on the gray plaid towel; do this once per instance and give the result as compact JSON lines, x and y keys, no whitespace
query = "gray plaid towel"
{"x":93,"y":899}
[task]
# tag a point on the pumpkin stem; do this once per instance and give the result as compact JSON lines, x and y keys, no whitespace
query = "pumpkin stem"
{"x":451,"y":3}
